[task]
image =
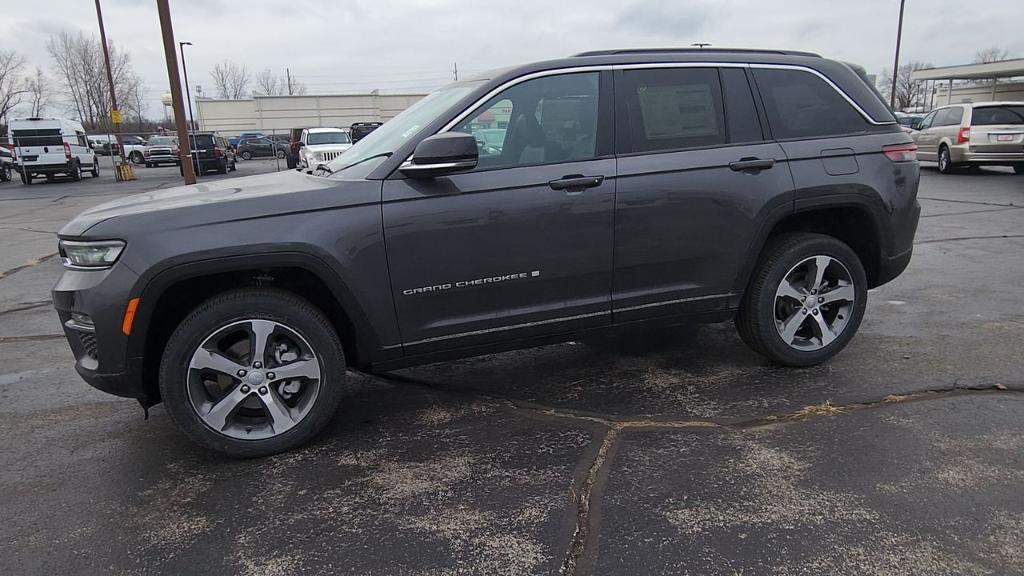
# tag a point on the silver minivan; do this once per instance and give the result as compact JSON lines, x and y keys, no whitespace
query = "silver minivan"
{"x":973,"y":134}
{"x":51,"y":146}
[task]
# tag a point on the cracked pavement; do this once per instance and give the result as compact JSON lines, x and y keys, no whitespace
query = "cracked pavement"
{"x":670,"y":452}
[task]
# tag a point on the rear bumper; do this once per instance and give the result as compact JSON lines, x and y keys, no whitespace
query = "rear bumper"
{"x":965,"y":155}
{"x":45,"y":168}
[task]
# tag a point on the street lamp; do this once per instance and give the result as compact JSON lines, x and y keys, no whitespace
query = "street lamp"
{"x":188,"y":93}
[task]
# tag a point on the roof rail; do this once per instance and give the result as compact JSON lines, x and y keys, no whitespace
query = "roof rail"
{"x":692,"y":50}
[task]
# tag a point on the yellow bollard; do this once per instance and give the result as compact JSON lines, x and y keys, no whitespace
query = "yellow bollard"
{"x":124,"y":172}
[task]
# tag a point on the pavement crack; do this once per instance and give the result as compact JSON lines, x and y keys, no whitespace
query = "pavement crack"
{"x":1009,"y":205}
{"x":23,"y":229}
{"x":962,"y":238}
{"x":31,"y":338}
{"x":27,"y":306}
{"x":28,"y":264}
{"x":972,"y":212}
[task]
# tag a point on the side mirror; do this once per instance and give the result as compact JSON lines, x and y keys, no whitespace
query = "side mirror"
{"x":441,"y":154}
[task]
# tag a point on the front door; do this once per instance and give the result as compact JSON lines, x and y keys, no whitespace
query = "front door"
{"x":695,"y":178}
{"x":522,"y":245}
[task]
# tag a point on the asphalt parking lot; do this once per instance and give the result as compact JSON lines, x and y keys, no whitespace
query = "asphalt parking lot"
{"x":678,"y":452}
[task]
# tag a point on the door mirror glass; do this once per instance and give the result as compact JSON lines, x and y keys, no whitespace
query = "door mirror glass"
{"x":440,"y":154}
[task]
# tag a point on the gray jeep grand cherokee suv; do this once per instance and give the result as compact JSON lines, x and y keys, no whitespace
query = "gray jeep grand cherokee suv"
{"x":612,"y":189}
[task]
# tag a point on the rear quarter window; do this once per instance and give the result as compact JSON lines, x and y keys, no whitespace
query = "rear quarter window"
{"x":992,"y":115}
{"x":802,"y":105}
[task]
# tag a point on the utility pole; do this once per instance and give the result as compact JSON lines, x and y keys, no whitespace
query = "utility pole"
{"x":115,"y":114}
{"x":288,"y":75}
{"x":455,"y":72}
{"x":896,"y":63}
{"x":184,"y":147}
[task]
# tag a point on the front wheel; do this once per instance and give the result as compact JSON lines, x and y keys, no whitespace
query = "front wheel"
{"x":95,"y":172}
{"x":246,"y":155}
{"x":805,"y":301}
{"x":5,"y":173}
{"x":253,"y":372}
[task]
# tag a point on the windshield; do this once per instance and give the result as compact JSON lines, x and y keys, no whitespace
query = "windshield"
{"x":162,"y":141}
{"x":329,"y":138}
{"x":395,"y":132}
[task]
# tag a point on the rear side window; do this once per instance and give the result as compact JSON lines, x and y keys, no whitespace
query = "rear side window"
{"x":990,"y":115}
{"x":949,"y":116}
{"x":802,"y":105}
{"x":741,"y":119}
{"x":673,"y":108}
{"x":41,"y":137}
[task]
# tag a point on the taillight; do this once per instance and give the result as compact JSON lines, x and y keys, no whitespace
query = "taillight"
{"x":901,"y":152}
{"x":67,"y":151}
{"x":963,"y":136}
{"x":217,"y":152}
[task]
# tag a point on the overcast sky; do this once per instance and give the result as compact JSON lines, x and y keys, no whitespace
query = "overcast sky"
{"x":412,"y":45}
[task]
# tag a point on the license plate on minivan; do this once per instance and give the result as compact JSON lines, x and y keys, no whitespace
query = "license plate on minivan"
{"x":1004,"y":138}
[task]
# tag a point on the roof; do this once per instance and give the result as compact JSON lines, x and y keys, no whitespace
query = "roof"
{"x":987,"y":71}
{"x":694,"y":50}
{"x":315,"y":130}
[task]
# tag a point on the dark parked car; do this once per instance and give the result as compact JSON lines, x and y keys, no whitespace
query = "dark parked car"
{"x":6,"y":163}
{"x":261,"y":147}
{"x":630,"y":188}
{"x":359,"y":130}
{"x":211,"y":153}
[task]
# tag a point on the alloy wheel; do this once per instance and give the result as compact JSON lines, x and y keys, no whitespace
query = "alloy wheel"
{"x":253,"y":379}
{"x":813,"y":303}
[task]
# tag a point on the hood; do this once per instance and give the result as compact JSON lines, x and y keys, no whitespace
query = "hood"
{"x":204,"y":194}
{"x":328,"y":147}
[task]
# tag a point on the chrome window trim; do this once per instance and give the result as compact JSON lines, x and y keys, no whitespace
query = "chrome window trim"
{"x":596,"y":68}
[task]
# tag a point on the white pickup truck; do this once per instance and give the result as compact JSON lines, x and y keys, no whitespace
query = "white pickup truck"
{"x":106,"y":145}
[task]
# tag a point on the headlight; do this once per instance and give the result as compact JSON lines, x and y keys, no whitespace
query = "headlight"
{"x":101,"y":254}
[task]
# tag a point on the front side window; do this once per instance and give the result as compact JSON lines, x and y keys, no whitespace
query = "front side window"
{"x":541,"y":121}
{"x":799,"y":104}
{"x":671,"y":109}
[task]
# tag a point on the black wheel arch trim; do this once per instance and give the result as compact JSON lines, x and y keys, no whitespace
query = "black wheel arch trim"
{"x":872,"y":205}
{"x":155,"y":282}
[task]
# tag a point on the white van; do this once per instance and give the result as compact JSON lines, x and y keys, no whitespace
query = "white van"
{"x":51,"y":146}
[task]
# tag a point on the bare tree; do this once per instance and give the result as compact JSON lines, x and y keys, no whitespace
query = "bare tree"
{"x":908,"y":91}
{"x":294,"y":87}
{"x":78,"y":61}
{"x":39,"y":92}
{"x":993,"y":54}
{"x":269,"y":84}
{"x":12,"y":86}
{"x":231,"y":80}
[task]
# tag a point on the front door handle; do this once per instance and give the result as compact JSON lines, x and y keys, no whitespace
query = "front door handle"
{"x":576,"y":182}
{"x":753,"y":165}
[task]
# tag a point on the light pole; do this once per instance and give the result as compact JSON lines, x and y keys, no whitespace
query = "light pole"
{"x":188,"y":93}
{"x":896,"y":63}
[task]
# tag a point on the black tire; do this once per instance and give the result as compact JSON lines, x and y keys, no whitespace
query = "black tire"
{"x":1018,"y":168}
{"x":76,"y":171}
{"x":222,"y":168}
{"x":946,"y":165}
{"x":253,"y":303}
{"x":5,"y":173}
{"x":95,"y":172}
{"x":291,"y":161}
{"x":149,"y":164}
{"x":280,"y":154}
{"x":246,"y":155}
{"x":233,"y":167}
{"x":756,"y":322}
{"x":136,"y":157}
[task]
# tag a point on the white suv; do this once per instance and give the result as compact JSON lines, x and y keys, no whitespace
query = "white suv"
{"x":51,"y":146}
{"x":321,"y":145}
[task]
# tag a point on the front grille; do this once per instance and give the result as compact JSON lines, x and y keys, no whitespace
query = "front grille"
{"x":159,"y":152}
{"x":88,"y":340}
{"x":327,"y":156}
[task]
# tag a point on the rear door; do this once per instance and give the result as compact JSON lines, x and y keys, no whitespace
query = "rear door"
{"x":998,"y":129}
{"x":696,"y":175}
{"x":522,"y":245}
{"x":39,"y":145}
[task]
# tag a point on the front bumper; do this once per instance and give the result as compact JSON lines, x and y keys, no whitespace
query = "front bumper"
{"x":99,"y":346}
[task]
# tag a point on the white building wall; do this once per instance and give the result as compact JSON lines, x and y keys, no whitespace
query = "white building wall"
{"x":280,"y":113}
{"x":1005,"y":91}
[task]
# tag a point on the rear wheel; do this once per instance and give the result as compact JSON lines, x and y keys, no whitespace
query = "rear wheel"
{"x":253,"y":372}
{"x":76,"y":171}
{"x":946,"y":165}
{"x":805,"y":301}
{"x":246,"y":155}
{"x":280,"y":154}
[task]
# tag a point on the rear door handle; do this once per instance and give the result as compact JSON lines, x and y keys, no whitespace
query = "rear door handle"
{"x":751,"y":165}
{"x":576,"y":182}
